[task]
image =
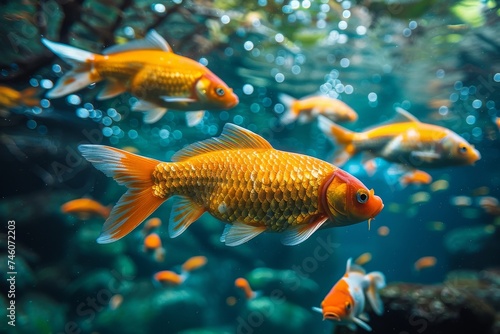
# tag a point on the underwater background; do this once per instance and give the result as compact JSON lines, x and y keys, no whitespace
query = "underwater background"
{"x":440,"y":60}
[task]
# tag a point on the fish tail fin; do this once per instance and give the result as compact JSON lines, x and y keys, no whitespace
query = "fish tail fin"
{"x":291,"y":113}
{"x":134,"y":172}
{"x":341,"y":137}
{"x":376,"y":281}
{"x":82,"y":73}
{"x":29,"y":97}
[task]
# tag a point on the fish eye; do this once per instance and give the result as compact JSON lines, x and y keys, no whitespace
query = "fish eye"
{"x":462,"y":149}
{"x":348,"y":306}
{"x":362,"y":196}
{"x":219,"y":91}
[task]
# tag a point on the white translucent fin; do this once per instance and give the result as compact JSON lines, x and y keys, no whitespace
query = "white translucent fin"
{"x":194,"y":118}
{"x":71,"y":55}
{"x":238,"y":233}
{"x":232,"y":137}
{"x":353,"y":268}
{"x":152,"y":41}
{"x":184,"y":213}
{"x":317,"y":309}
{"x":376,"y":281}
{"x":113,"y":88}
{"x":290,"y":115}
{"x":134,"y":172}
{"x":427,"y":156}
{"x":362,"y":324}
{"x":177,"y":99}
{"x":297,"y":234}
{"x":142,"y":105}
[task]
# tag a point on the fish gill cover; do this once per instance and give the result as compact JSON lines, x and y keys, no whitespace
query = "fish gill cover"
{"x":404,"y":95}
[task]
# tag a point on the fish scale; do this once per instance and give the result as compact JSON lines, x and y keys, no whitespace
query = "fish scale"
{"x":242,"y":186}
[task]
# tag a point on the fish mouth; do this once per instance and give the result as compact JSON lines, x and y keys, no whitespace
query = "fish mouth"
{"x":331,"y":316}
{"x":377,"y":211}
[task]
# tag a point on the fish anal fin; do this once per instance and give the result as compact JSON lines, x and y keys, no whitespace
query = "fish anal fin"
{"x":239,"y":233}
{"x":232,"y":137}
{"x":184,"y":213}
{"x":297,"y":234}
{"x":130,"y":170}
{"x":113,"y":88}
{"x":194,"y":118}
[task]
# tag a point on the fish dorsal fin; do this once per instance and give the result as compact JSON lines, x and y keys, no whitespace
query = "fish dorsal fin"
{"x":353,"y":268}
{"x":404,"y":115}
{"x":232,"y":137}
{"x":152,"y":41}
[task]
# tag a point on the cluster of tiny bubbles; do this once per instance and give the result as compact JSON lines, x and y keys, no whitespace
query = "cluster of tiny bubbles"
{"x":491,"y":108}
{"x":32,"y":125}
{"x":411,"y":26}
{"x":158,"y":8}
{"x":335,"y":37}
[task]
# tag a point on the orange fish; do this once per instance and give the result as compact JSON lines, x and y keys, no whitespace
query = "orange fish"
{"x":152,"y":243}
{"x":425,"y":262}
{"x":239,"y":179}
{"x":415,"y":177}
{"x":383,"y":231}
{"x":490,"y":205}
{"x":243,"y":284}
{"x":194,"y":263}
{"x":150,"y":225}
{"x":346,"y":300}
{"x":11,"y":98}
{"x":167,"y":278}
{"x":363,"y":259}
{"x":308,"y":108}
{"x":407,"y":141}
{"x":149,"y":70}
{"x":115,"y":301}
{"x":84,"y":208}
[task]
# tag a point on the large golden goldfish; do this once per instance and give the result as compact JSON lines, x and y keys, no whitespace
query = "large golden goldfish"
{"x":11,"y":98}
{"x":148,"y":69}
{"x":241,"y":180}
{"x":408,"y":142}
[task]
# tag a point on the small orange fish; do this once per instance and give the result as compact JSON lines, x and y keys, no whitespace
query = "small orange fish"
{"x":490,"y":205}
{"x":415,"y":177}
{"x":11,"y":98}
{"x":240,"y":179}
{"x":383,"y":231}
{"x":150,"y":225}
{"x":243,"y":284}
{"x":363,"y":259}
{"x":194,"y":263}
{"x":425,"y":262}
{"x":497,"y":122}
{"x":115,"y":301}
{"x":152,"y":242}
{"x":308,"y":108}
{"x":461,"y":201}
{"x":84,"y":208}
{"x":407,"y":141}
{"x":149,"y":70}
{"x":167,"y":278}
{"x":346,"y":300}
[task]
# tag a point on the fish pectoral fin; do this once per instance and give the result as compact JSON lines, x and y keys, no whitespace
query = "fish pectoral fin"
{"x":152,"y":41}
{"x":376,"y":281}
{"x":239,"y":233}
{"x":152,"y":112}
{"x":113,"y":88}
{"x":193,"y":118}
{"x":317,"y":309}
{"x":297,"y":234}
{"x":364,"y":316}
{"x":176,"y":99}
{"x":428,"y":156}
{"x":184,"y":213}
{"x":362,"y":324}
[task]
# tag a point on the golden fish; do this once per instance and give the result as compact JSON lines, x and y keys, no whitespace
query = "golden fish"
{"x":241,"y":180}
{"x":11,"y":98}
{"x":408,"y":142}
{"x":149,"y":70}
{"x":306,"y":109}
